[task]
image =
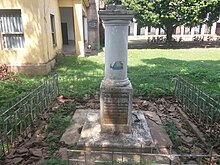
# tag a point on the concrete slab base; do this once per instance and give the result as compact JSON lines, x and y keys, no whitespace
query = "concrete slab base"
{"x":139,"y":138}
{"x":74,"y":135}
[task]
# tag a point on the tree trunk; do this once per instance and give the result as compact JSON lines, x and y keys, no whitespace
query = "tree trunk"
{"x":169,"y":33}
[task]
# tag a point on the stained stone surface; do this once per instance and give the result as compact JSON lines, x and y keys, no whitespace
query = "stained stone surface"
{"x":116,"y":89}
{"x":115,"y":109}
{"x":140,"y":136}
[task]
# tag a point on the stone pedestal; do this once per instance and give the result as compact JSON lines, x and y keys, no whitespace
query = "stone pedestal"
{"x":116,"y":106}
{"x":116,"y":89}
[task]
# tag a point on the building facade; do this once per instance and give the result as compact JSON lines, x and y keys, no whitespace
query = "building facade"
{"x":33,"y":31}
{"x":180,"y":30}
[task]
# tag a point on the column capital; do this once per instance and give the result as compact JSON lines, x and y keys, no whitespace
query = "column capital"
{"x":116,"y":14}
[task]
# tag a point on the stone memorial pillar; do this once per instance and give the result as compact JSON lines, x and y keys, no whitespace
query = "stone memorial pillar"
{"x":116,"y":89}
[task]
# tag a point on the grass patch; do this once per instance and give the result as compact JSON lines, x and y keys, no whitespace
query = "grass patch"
{"x":150,"y":71}
{"x":57,"y":123}
{"x":13,"y":91}
{"x":55,"y":161}
{"x":56,"y":126}
{"x":200,"y":66}
{"x":173,"y":133}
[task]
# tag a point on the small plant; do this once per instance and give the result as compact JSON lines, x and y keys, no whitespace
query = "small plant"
{"x":218,"y":160}
{"x":52,"y":148}
{"x":72,"y":146}
{"x":52,"y":138}
{"x":56,"y":126}
{"x":55,"y":161}
{"x":58,"y":123}
{"x":71,"y":107}
{"x":173,"y":133}
{"x":185,"y":126}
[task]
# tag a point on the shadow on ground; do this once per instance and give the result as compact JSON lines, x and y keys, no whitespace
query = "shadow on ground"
{"x":151,"y":78}
{"x":203,"y":74}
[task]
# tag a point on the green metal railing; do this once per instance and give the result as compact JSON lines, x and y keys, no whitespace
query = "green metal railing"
{"x":200,"y":107}
{"x":18,"y":119}
{"x":101,"y":156}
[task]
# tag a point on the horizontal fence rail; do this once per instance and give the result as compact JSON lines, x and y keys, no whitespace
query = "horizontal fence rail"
{"x":19,"y":118}
{"x":116,"y":157}
{"x":201,"y":108}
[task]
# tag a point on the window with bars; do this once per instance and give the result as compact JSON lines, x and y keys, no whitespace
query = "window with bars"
{"x":53,"y":32}
{"x":11,"y":28}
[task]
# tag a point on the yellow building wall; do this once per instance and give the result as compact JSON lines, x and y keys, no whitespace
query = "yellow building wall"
{"x":51,"y":7}
{"x":38,"y":47}
{"x":65,"y":3}
{"x":77,"y":6}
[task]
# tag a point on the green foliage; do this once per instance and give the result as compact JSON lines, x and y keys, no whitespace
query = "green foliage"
{"x":168,"y":14}
{"x":71,"y":107}
{"x":72,"y":146}
{"x":218,"y":160}
{"x":81,"y":76}
{"x":52,"y":148}
{"x":52,"y":138}
{"x":57,"y":123}
{"x":13,"y":91}
{"x":55,"y":161}
{"x":115,"y":162}
{"x":116,"y":2}
{"x":150,"y":71}
{"x":151,"y":85}
{"x":173,"y":133}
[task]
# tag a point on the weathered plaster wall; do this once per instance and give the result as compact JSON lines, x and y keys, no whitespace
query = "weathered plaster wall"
{"x":37,"y":32}
{"x":50,"y":7}
{"x":31,"y":53}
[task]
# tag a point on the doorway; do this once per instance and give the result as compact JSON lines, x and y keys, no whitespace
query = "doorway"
{"x":64,"y":33}
{"x":67,"y":25}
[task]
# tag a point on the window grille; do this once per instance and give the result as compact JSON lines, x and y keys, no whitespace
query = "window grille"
{"x":11,"y":29}
{"x":53,"y":33}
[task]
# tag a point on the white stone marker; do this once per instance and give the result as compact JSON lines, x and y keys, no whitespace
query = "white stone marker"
{"x":116,"y":89}
{"x":213,"y":28}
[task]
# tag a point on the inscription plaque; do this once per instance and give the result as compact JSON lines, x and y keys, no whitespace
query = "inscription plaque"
{"x":116,"y":107}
